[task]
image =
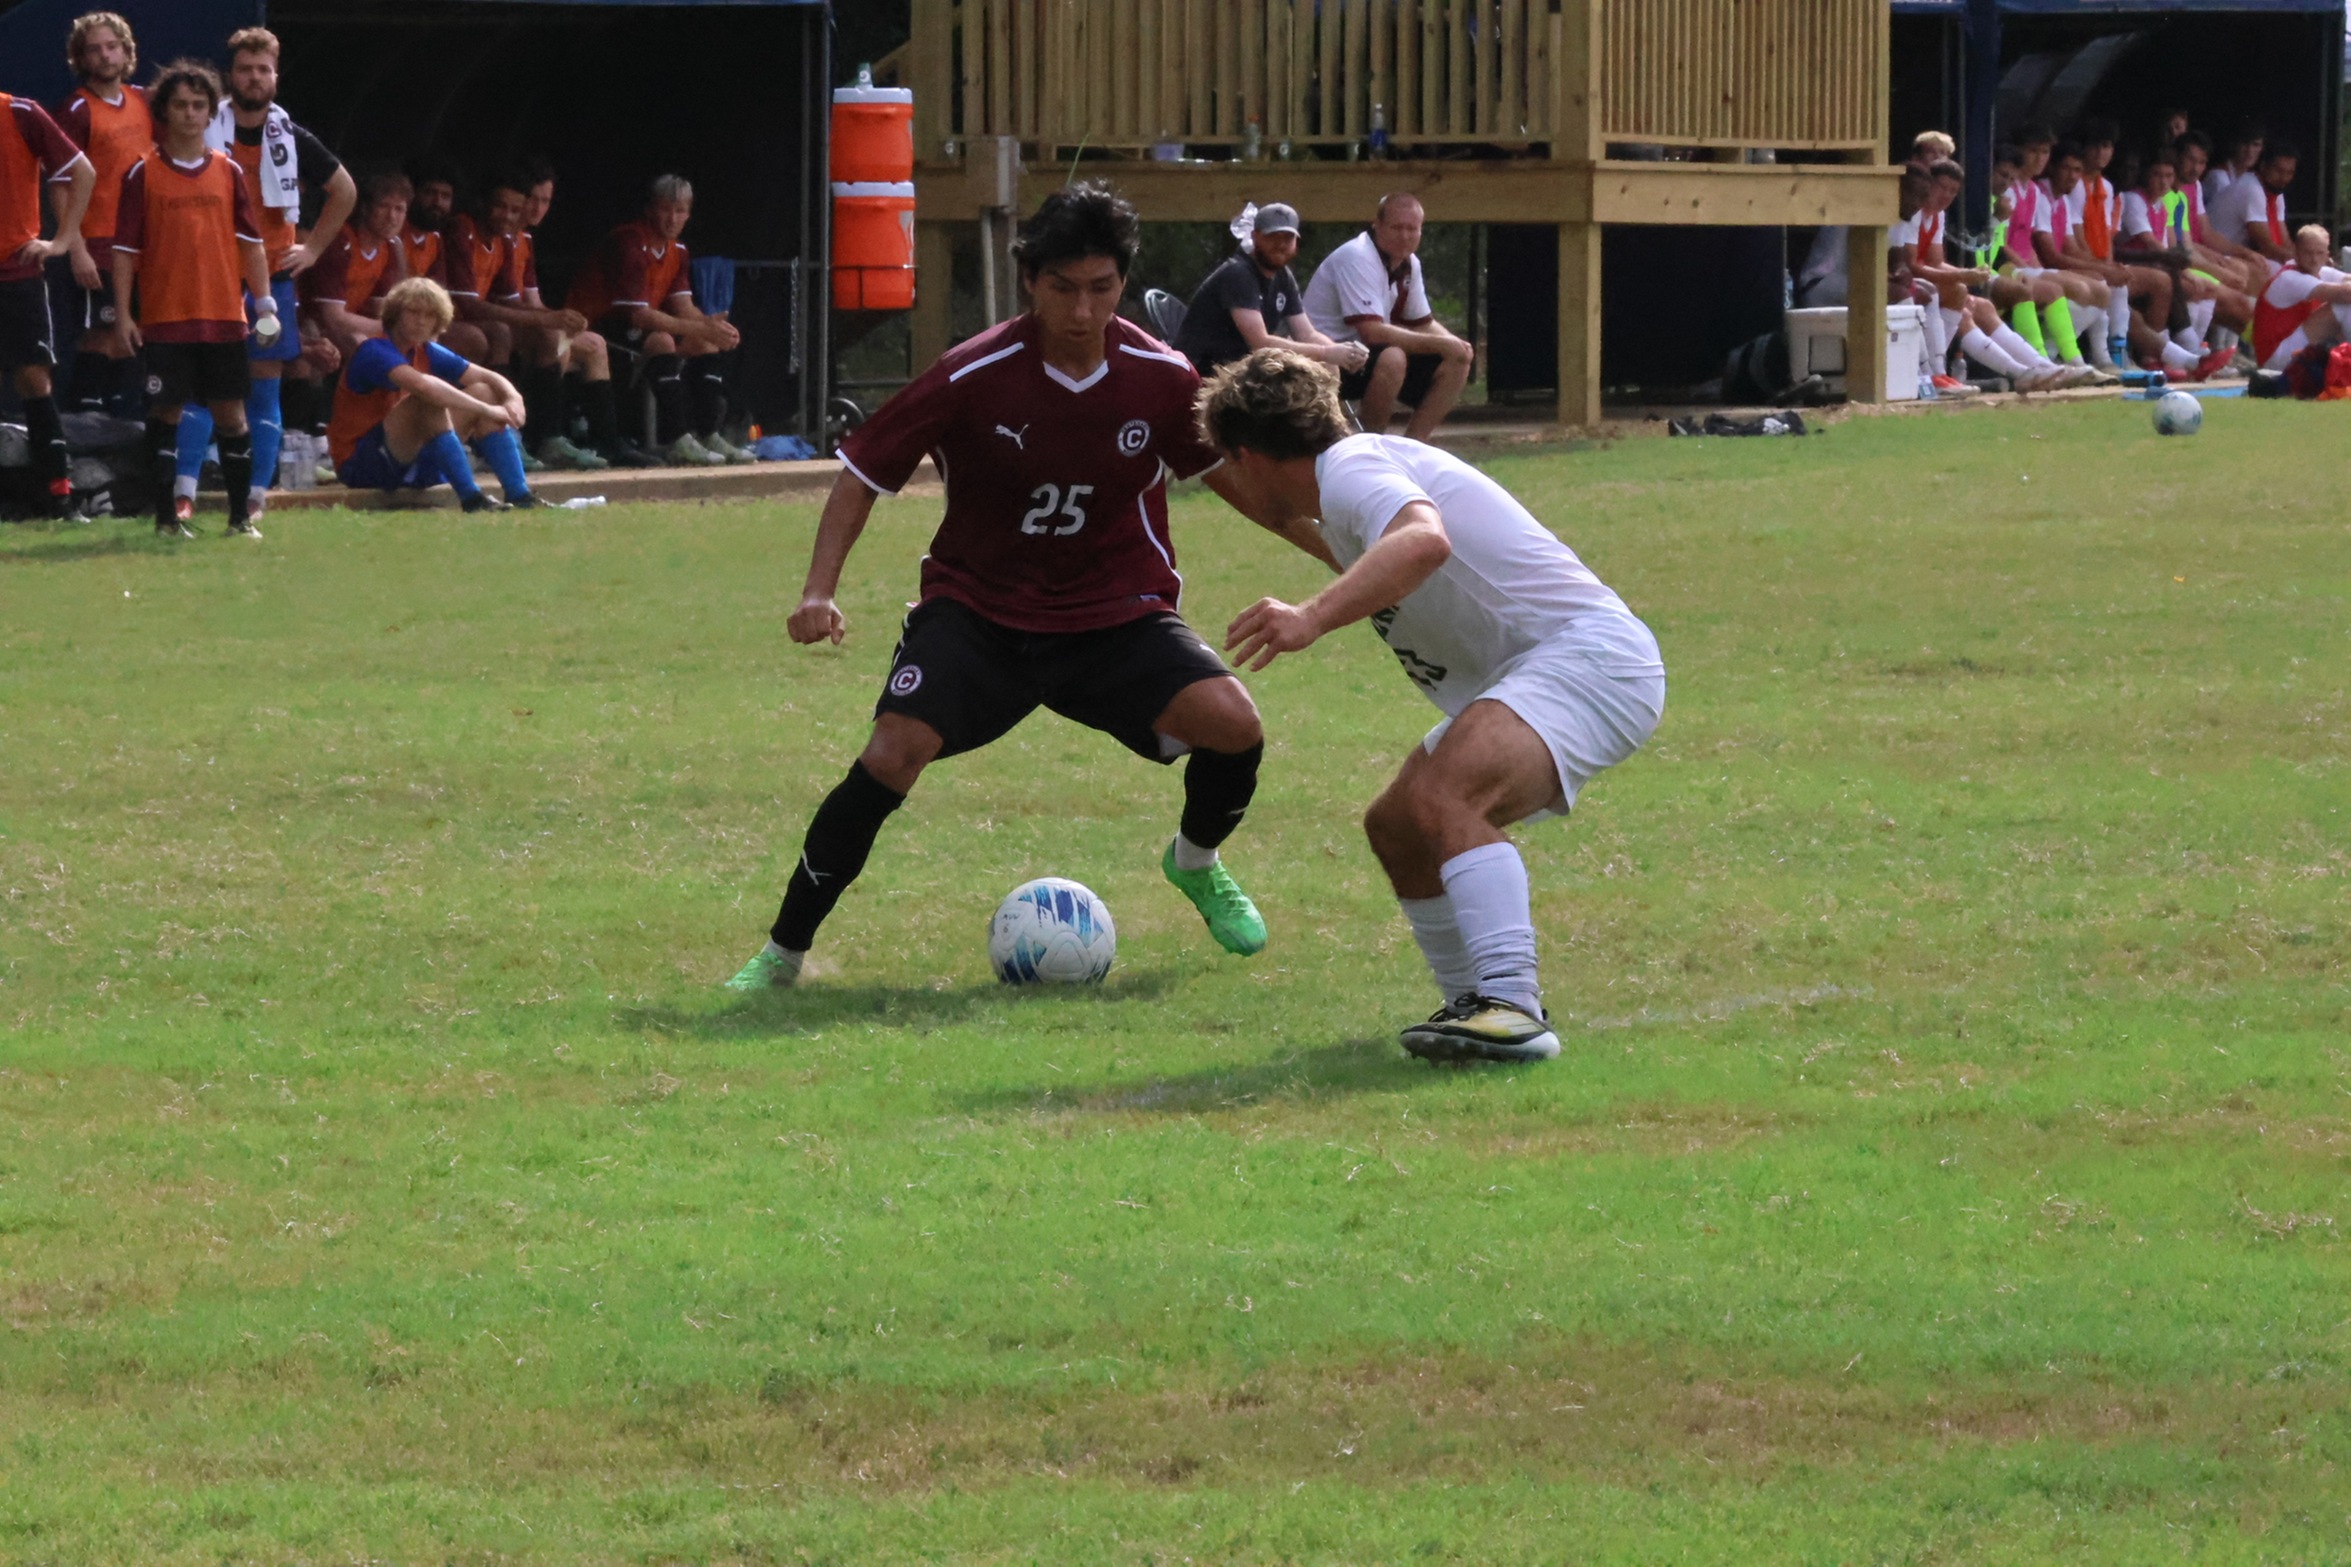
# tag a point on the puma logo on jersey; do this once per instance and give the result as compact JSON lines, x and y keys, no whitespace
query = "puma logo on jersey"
{"x":1016,"y":437}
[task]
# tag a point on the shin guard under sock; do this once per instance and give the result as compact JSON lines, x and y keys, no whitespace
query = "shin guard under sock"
{"x":1217,"y":788}
{"x":236,"y":474}
{"x":840,"y":836}
{"x":503,"y":453}
{"x":667,"y":373}
{"x":1491,"y":904}
{"x":706,"y":392}
{"x":163,"y":443}
{"x":195,"y":434}
{"x":45,"y":433}
{"x":265,"y":420}
{"x":2064,"y":342}
{"x":596,"y":405}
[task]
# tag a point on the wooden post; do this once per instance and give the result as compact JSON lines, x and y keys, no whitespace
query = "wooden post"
{"x":932,"y":59}
{"x":934,"y":290}
{"x":1579,"y":324}
{"x":1865,"y":314}
{"x":1576,"y":64}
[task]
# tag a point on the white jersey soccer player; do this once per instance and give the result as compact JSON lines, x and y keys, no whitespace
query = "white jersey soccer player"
{"x":1545,"y":678}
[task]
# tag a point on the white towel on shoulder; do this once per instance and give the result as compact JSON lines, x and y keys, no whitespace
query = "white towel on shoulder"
{"x":281,"y":166}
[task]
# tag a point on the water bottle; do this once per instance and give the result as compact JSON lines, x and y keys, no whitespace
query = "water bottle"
{"x":1379,"y":131}
{"x":1926,"y":387}
{"x":1787,"y":290}
{"x":582,"y":502}
{"x":1253,"y":141}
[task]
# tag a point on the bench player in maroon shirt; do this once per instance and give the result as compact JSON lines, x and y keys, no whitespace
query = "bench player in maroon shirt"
{"x":1051,"y":582}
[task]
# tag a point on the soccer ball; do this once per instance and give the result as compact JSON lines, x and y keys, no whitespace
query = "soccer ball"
{"x":1051,"y":931}
{"x":2176,"y":413}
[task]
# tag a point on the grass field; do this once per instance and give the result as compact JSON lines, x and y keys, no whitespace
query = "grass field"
{"x":1948,"y":1163}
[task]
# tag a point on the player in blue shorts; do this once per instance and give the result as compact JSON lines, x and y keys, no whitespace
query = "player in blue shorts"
{"x":405,"y":409}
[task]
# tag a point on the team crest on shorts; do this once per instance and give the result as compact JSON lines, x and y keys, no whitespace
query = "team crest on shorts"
{"x":907,"y":680}
{"x":1133,"y":436}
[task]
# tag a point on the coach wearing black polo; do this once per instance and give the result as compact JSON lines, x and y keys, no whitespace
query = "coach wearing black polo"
{"x":1250,"y":299}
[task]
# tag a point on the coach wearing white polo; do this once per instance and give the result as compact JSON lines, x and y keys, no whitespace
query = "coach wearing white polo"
{"x":1369,"y":291}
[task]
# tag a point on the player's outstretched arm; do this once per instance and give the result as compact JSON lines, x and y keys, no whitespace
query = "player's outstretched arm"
{"x":1297,"y":530}
{"x":819,"y":619}
{"x":1407,"y":555}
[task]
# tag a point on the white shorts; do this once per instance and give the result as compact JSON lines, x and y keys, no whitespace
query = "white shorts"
{"x":1594,"y":694}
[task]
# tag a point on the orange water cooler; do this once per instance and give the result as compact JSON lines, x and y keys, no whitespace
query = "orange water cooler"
{"x":873,"y":196}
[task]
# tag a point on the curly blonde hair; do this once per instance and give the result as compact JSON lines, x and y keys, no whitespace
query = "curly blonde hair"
{"x":1276,"y":401}
{"x":88,"y":23}
{"x":423,"y":295}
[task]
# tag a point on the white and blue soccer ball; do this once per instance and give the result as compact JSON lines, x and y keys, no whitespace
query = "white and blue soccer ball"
{"x":2177,"y":413}
{"x":1051,"y":931}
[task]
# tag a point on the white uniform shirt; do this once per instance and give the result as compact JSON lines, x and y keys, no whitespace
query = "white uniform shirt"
{"x":1903,"y":232}
{"x":2245,"y":205}
{"x":1353,"y":281}
{"x":1509,"y":586}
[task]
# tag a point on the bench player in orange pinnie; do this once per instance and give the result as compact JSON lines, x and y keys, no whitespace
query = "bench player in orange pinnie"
{"x":344,"y":293}
{"x":637,"y":289}
{"x":187,"y":249}
{"x":107,"y":118}
{"x":34,"y":152}
{"x":567,"y":361}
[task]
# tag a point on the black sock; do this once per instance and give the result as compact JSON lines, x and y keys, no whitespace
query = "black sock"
{"x":86,"y":388}
{"x":164,"y":441}
{"x":542,"y":404}
{"x":236,"y":471}
{"x":134,"y":387}
{"x":46,"y":431}
{"x":840,"y":836}
{"x":669,"y":397}
{"x":1217,"y":788}
{"x":297,"y":402}
{"x":603,"y":419}
{"x":706,"y":385}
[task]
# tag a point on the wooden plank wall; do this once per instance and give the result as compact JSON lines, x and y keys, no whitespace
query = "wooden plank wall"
{"x":1126,"y":74}
{"x":1745,"y":73}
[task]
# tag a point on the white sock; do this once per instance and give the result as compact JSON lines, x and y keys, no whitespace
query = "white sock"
{"x":2177,"y":358}
{"x":2118,"y":302}
{"x":2092,"y":322}
{"x":1488,"y":889}
{"x":2012,"y":344}
{"x":2200,"y":317}
{"x":1991,"y":355}
{"x":2185,"y":337}
{"x":1938,"y":333}
{"x":1439,"y":935}
{"x":2224,"y":337}
{"x":183,"y":486}
{"x":257,"y":500}
{"x":1189,"y":856}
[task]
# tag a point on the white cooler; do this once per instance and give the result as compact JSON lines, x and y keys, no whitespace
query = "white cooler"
{"x":1816,"y":346}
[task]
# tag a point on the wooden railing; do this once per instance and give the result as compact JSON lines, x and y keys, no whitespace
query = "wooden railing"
{"x":1212,"y":75}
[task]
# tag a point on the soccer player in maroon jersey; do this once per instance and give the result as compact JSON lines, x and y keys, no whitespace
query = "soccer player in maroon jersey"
{"x":1051,"y":581}
{"x":34,"y":153}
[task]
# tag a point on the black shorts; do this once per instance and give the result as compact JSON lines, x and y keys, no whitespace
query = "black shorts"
{"x":1419,"y":371}
{"x":197,"y":373}
{"x":25,"y":336}
{"x":624,"y":340}
{"x":972,"y":680}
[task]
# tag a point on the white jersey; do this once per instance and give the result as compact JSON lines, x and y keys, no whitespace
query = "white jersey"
{"x":1509,"y":586}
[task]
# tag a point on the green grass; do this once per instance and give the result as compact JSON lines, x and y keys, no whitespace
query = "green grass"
{"x":1947,"y":1164}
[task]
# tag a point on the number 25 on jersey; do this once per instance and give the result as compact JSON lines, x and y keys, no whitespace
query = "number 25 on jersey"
{"x":1053,"y":506}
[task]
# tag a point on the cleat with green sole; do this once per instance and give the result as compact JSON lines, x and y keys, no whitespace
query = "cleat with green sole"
{"x":1232,"y":919}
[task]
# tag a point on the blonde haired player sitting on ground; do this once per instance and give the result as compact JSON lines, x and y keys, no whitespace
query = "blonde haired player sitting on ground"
{"x":1545,"y":678}
{"x":404,"y":405}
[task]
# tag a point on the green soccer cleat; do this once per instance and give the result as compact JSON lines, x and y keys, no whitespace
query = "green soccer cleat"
{"x":1232,"y":919}
{"x":1480,"y":1028}
{"x":770,"y":968}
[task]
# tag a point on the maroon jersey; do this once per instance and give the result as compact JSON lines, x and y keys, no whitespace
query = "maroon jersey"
{"x":1056,"y":489}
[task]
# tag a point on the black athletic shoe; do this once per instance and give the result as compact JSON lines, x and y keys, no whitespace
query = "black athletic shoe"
{"x":1480,"y":1028}
{"x":174,"y":529}
{"x":628,"y":454}
{"x":528,"y":500}
{"x":243,"y":530}
{"x":482,"y":500}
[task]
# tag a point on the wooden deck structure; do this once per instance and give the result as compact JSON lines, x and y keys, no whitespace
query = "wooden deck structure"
{"x":1008,"y":92}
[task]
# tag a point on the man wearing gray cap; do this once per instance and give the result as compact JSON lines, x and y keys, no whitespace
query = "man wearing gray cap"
{"x":1251,"y":299}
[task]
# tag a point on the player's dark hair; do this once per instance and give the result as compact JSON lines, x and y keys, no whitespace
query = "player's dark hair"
{"x":432,"y":170}
{"x":2162,"y":155}
{"x":79,"y":35}
{"x":253,"y":40}
{"x":2035,"y":134}
{"x":2091,"y":132}
{"x":2272,"y":151}
{"x":194,"y":75}
{"x":2064,"y":150}
{"x":2009,"y":153}
{"x":515,"y":179}
{"x":2196,"y":139}
{"x":1275,"y":401}
{"x":1949,"y":169}
{"x":1076,"y":221}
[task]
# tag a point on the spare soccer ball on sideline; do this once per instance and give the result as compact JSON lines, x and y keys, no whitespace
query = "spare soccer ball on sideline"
{"x":1051,"y":931}
{"x":2177,"y":413}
